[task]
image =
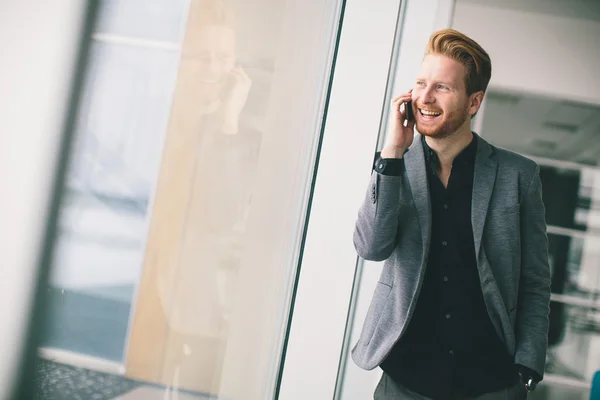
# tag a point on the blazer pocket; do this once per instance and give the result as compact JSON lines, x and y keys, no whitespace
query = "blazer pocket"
{"x":375,"y":312}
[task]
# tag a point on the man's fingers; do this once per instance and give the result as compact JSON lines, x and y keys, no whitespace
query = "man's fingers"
{"x":399,"y":105}
{"x":239,"y":72}
{"x":403,"y":97}
{"x":401,"y":100}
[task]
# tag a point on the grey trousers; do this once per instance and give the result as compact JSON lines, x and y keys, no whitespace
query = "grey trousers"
{"x":389,"y":390}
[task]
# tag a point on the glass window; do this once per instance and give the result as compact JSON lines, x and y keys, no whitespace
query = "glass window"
{"x":573,"y":354}
{"x":159,"y":20}
{"x":116,"y":155}
{"x":186,"y":199}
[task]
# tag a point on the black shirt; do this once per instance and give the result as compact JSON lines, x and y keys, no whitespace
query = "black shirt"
{"x":450,"y":347}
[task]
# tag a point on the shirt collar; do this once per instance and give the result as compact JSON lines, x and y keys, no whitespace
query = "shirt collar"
{"x":466,"y":156}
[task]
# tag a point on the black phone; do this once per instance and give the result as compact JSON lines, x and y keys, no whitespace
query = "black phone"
{"x":410,"y":116}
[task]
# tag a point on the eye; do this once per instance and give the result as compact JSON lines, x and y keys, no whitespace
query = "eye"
{"x":442,"y":87}
{"x":420,"y":83}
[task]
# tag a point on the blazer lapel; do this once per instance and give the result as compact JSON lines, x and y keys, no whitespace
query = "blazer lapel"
{"x":414,"y":162}
{"x":484,"y":179}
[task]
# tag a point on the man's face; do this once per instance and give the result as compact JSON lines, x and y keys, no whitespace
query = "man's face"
{"x":214,"y":58}
{"x":440,"y":102}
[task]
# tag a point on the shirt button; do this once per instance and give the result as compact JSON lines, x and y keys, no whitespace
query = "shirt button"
{"x":451,"y":352}
{"x":447,"y":316}
{"x":445,"y":279}
{"x":445,"y":206}
{"x":444,"y":243}
{"x":380,"y":166}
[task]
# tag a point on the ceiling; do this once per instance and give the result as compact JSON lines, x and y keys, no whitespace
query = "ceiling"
{"x":582,"y":9}
{"x":543,"y":127}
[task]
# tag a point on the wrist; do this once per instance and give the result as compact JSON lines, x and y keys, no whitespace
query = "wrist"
{"x":529,"y":381}
{"x":230,"y":128}
{"x":392,"y":152}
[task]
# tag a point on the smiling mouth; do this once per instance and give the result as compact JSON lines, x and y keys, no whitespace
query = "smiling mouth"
{"x":429,"y":114}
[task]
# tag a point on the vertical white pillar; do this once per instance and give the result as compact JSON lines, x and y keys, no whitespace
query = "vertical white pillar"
{"x":39,"y":42}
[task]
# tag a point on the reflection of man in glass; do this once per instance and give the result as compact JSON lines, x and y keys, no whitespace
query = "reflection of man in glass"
{"x":208,"y":170}
{"x":227,"y":139}
{"x":220,"y":180}
{"x":223,"y":85}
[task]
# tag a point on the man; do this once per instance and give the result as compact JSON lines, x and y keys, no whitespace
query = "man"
{"x":461,"y":307}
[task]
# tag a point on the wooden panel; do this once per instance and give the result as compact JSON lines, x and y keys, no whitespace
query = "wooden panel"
{"x":178,"y":331}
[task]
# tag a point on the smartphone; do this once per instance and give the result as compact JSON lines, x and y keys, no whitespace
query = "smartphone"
{"x":409,"y":111}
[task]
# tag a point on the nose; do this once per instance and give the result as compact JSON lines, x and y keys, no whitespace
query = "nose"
{"x":427,"y":96}
{"x":214,"y":66}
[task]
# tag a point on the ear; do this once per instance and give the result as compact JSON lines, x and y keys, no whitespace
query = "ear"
{"x":475,"y":101}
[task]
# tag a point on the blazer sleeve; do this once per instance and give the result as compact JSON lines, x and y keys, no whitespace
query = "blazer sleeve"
{"x":375,"y":234}
{"x":534,"y":289}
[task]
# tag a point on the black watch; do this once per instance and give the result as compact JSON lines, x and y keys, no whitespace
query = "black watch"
{"x":529,"y":382}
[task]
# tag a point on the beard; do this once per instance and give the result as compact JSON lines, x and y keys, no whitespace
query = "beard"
{"x":446,"y":127}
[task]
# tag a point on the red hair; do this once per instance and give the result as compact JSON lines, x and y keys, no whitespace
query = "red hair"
{"x":468,"y":52}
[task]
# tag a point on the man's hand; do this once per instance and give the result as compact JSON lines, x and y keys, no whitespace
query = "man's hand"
{"x":235,"y":100}
{"x":399,"y":137}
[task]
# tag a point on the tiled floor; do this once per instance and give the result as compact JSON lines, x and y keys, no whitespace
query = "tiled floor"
{"x":56,"y":381}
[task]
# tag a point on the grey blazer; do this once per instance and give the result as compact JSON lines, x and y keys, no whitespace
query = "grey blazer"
{"x":511,"y":247}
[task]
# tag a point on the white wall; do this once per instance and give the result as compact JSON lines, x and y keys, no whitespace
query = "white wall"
{"x":422,"y":18}
{"x":351,"y":130}
{"x":537,"y":53}
{"x":38,"y":42}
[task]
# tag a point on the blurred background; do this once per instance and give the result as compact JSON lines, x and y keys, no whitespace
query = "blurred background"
{"x":203,"y":207}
